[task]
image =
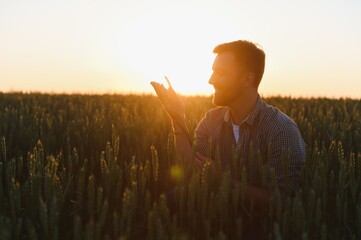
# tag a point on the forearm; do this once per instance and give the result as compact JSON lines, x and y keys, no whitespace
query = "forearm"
{"x":182,"y":142}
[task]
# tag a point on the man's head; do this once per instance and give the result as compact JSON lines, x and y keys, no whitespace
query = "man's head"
{"x":238,"y":68}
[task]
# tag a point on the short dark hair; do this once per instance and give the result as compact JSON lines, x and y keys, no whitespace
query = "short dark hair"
{"x":250,"y":56}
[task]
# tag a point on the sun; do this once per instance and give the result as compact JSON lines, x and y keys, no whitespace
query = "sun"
{"x":177,"y":43}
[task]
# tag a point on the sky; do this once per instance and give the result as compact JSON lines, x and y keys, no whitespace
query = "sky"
{"x":312,"y":47}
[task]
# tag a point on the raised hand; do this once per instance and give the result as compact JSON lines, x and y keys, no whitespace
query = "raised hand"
{"x":172,"y":103}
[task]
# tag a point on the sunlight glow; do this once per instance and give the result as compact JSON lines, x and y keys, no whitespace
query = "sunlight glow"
{"x":121,"y":46}
{"x":170,"y":44}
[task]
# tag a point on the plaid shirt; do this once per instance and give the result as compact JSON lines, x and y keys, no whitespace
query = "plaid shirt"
{"x":268,"y":141}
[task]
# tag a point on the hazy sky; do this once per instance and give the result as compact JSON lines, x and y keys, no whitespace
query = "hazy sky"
{"x":312,"y":47}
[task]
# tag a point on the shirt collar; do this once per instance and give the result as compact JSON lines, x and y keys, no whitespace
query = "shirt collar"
{"x":251,"y":116}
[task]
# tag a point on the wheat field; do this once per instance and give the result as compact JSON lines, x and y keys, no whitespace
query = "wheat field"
{"x":102,"y":167}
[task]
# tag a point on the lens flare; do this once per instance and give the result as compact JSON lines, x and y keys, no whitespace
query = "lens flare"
{"x":176,"y":173}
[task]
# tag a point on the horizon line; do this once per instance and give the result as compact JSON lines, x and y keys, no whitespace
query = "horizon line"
{"x":143,"y":93}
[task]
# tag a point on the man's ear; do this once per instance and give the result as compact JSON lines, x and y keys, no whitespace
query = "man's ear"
{"x":249,"y":78}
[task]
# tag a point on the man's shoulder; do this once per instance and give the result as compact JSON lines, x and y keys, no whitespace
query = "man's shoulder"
{"x":215,"y":115}
{"x":211,"y":121}
{"x":282,"y":131}
{"x":217,"y":112}
{"x":274,"y":118}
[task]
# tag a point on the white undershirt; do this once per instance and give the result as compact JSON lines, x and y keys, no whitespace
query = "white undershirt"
{"x":236,"y":132}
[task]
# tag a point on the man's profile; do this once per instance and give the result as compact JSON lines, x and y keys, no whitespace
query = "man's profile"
{"x":241,"y":123}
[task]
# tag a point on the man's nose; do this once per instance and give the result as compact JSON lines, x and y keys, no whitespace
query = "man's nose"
{"x":212,"y":80}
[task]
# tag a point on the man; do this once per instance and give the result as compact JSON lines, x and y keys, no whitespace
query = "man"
{"x":242,"y":127}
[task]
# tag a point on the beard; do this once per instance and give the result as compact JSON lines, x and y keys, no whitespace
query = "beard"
{"x":224,"y":98}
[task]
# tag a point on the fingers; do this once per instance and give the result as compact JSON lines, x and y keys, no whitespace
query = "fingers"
{"x":201,"y":157}
{"x":166,"y":95}
{"x":198,"y":163}
{"x":160,"y":90}
{"x":157,"y":87}
{"x":170,"y":88}
{"x":170,"y":101}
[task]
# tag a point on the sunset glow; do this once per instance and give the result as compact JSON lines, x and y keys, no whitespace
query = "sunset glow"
{"x":119,"y":47}
{"x":170,"y":45}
